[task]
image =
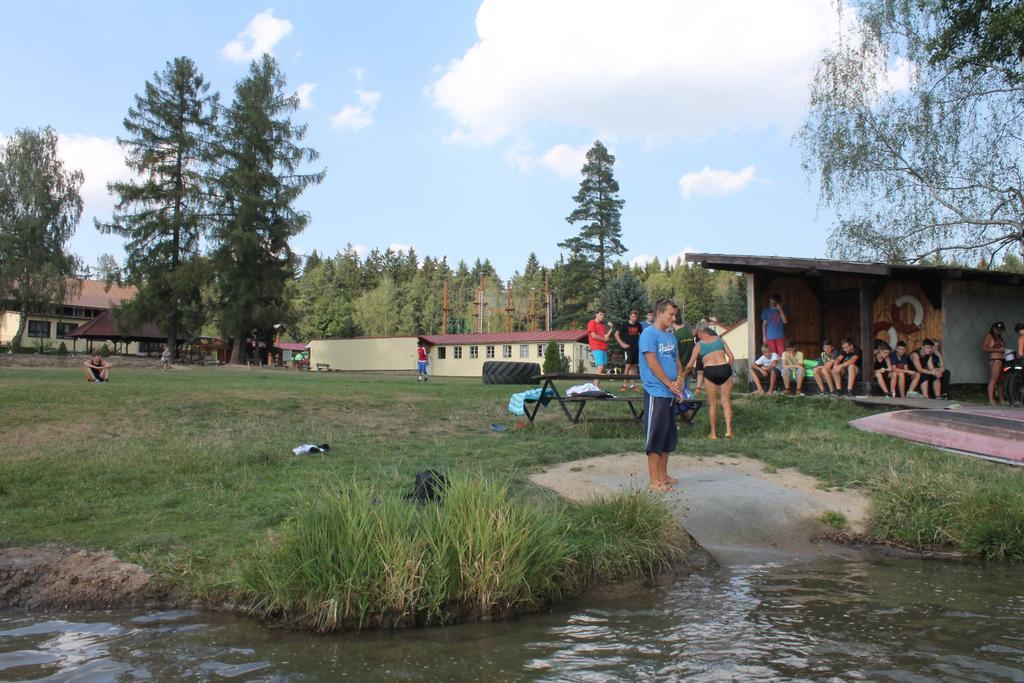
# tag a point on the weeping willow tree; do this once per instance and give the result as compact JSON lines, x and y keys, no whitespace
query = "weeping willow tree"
{"x":918,"y":157}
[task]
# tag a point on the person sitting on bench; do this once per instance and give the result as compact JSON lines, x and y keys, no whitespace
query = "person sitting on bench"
{"x":823,"y":370}
{"x":901,"y":370}
{"x":847,"y":365}
{"x":928,"y":364}
{"x":883,"y":368}
{"x":765,"y":368}
{"x":793,"y":369}
{"x":97,"y":369}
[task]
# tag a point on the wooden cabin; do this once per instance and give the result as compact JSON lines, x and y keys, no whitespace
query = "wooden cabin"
{"x":867,"y":301}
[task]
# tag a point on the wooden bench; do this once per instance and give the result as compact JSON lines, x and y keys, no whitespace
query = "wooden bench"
{"x":581,"y":402}
{"x":323,"y":367}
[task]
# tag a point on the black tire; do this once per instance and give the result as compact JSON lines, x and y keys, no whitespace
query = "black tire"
{"x":1015,"y":388}
{"x":509,"y":372}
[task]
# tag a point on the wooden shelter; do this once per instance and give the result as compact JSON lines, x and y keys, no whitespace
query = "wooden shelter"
{"x":867,"y":301}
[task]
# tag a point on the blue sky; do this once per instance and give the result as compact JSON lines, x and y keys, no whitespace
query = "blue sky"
{"x":459,"y":127}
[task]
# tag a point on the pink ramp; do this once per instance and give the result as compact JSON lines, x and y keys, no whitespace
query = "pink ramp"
{"x":983,"y":434}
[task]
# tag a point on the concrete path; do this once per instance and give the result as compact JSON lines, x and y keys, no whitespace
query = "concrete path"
{"x":740,"y":513}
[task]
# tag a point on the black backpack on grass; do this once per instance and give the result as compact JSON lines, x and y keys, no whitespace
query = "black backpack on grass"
{"x":430,"y":486}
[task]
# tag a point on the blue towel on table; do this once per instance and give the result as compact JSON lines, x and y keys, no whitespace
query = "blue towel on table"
{"x":517,"y":404}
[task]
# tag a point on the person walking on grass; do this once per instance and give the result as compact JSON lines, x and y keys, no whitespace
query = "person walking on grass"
{"x":661,"y":376}
{"x":422,"y":361}
{"x":994,"y":348}
{"x":598,"y":334}
{"x":718,"y":360}
{"x":165,"y":359}
{"x":97,"y":369}
{"x":628,"y":336}
{"x":793,"y":370}
{"x":773,"y":324}
{"x":823,"y":370}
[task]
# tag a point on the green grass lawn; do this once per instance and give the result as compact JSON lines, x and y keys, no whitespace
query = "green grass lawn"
{"x":186,"y":472}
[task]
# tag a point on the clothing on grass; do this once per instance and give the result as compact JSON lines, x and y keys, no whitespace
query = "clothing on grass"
{"x":517,"y":404}
{"x":589,"y":390}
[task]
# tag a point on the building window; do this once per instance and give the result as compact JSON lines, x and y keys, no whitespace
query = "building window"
{"x":524,"y":350}
{"x":540,"y":350}
{"x":442,"y":352}
{"x":456,"y":352}
{"x":64,"y":329}
{"x":561,"y":350}
{"x":490,"y":352}
{"x":39,"y":328}
{"x":506,"y":351}
{"x":474,"y":352}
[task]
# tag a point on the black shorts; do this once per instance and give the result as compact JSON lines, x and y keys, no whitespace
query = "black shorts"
{"x":96,"y":373}
{"x":660,"y":430}
{"x":718,"y":374}
{"x":632,"y":355}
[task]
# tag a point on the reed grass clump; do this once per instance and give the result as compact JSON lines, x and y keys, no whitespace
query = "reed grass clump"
{"x":923,"y":507}
{"x":358,"y":557}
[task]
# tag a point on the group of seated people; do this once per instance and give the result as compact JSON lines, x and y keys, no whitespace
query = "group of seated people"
{"x":921,"y":372}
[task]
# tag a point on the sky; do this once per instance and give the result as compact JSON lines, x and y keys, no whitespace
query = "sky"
{"x":460,"y":127}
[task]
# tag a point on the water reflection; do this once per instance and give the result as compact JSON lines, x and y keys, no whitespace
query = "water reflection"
{"x":882,"y":620}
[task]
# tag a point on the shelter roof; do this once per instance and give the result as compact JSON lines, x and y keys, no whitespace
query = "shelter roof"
{"x":103,"y":326}
{"x":812,"y":266}
{"x":506,"y":337}
{"x":290,"y":346}
{"x":96,"y":294}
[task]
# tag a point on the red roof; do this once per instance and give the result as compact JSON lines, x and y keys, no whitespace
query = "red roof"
{"x":290,"y":346}
{"x":104,"y":327}
{"x":505,"y":337}
{"x":95,"y":294}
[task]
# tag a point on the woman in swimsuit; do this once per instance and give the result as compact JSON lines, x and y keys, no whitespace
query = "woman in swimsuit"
{"x":995,"y":348}
{"x":718,"y":360}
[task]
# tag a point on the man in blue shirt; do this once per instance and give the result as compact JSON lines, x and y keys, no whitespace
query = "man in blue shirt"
{"x":773,"y":325}
{"x":661,"y":374}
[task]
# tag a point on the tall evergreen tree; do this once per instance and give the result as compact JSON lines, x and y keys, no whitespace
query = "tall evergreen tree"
{"x":40,"y":206}
{"x":598,"y":210}
{"x":622,"y":294}
{"x":163,"y":214}
{"x":259,"y":182}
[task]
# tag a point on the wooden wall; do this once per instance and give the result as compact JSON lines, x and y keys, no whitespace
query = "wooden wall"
{"x":914,"y":319}
{"x":802,"y":308}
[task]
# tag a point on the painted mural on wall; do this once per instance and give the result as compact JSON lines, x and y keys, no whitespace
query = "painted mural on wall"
{"x":904,"y":313}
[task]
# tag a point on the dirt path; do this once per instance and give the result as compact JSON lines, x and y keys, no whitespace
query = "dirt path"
{"x":738,"y":511}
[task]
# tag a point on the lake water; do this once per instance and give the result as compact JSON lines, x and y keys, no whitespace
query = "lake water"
{"x":883,"y":619}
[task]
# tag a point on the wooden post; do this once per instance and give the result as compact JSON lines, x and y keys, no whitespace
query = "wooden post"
{"x":867,"y":333}
{"x":445,"y":309}
{"x":753,"y":324}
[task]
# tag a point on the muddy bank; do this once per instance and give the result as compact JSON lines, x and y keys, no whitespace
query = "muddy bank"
{"x":43,"y":578}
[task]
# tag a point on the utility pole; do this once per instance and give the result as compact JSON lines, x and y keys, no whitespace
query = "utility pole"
{"x":547,"y":304}
{"x":533,"y":309}
{"x":480,"y":305}
{"x":445,"y":309}
{"x":508,"y":307}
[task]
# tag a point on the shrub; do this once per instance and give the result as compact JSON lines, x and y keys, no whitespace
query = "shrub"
{"x":104,"y":350}
{"x":62,"y":350}
{"x":353,"y":557}
{"x":552,"y":359}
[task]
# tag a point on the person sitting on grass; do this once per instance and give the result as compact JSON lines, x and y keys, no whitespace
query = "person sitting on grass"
{"x":765,"y":368}
{"x":928,"y":365}
{"x":97,"y":369}
{"x":823,"y":370}
{"x":793,"y":369}
{"x":883,"y":368}
{"x":847,"y":366}
{"x":900,"y":370}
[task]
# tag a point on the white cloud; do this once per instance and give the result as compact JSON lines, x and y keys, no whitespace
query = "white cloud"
{"x":402,"y":248}
{"x":520,"y":155}
{"x":564,"y":160}
{"x":305,"y":92}
{"x":674,"y":259}
{"x":258,"y":37}
{"x":712,"y":182}
{"x":651,"y":68}
{"x":898,"y":77}
{"x":360,"y":115}
{"x":359,"y":73}
{"x":360,"y":249}
{"x":100,"y":160}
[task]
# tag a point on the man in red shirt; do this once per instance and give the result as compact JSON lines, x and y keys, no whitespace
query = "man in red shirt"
{"x":598,"y":334}
{"x":422,"y":360}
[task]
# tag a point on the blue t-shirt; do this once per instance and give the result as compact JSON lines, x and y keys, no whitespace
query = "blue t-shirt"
{"x":775,"y":329}
{"x":663,"y":343}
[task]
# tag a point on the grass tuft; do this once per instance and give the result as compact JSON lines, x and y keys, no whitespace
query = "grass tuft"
{"x":362,"y":557}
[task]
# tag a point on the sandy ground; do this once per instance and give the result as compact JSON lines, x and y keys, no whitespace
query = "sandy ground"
{"x":583,"y":478}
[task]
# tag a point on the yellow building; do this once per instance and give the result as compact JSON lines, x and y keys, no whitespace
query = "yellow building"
{"x":737,"y":338}
{"x":48,"y":328}
{"x":451,"y":355}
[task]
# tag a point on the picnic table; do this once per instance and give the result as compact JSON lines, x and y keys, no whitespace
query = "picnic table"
{"x":579,"y":403}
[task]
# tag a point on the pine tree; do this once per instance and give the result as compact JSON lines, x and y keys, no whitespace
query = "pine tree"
{"x":599,"y":210}
{"x":623,"y":294}
{"x":163,"y":215}
{"x":40,"y":206}
{"x":257,"y":187}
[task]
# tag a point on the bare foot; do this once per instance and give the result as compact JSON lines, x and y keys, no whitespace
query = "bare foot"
{"x":728,"y":435}
{"x":714,"y":437}
{"x":672,"y":480}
